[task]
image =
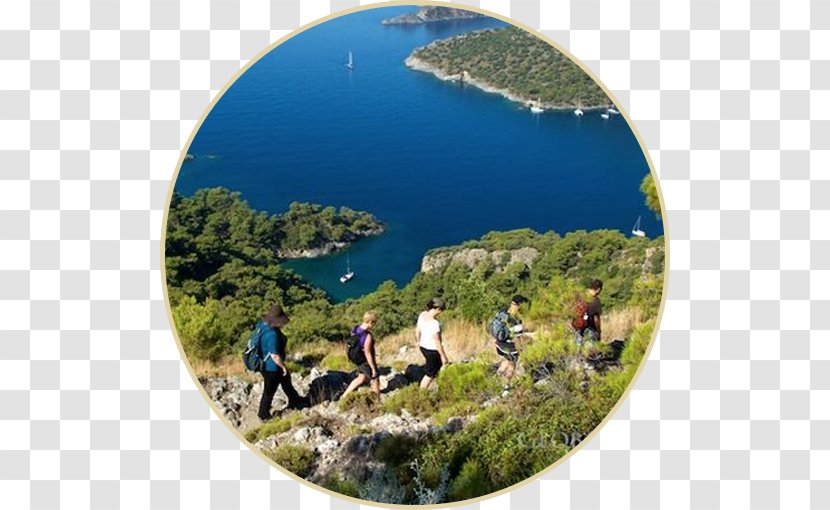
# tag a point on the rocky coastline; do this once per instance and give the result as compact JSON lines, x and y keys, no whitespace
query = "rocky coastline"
{"x":417,"y":64}
{"x":329,"y":247}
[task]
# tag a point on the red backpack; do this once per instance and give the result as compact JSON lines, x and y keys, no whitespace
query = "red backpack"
{"x":580,"y":320}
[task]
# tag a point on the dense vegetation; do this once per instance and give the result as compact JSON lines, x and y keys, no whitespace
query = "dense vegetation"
{"x":649,"y":189}
{"x":221,"y":261}
{"x":512,"y":59}
{"x":223,"y":272}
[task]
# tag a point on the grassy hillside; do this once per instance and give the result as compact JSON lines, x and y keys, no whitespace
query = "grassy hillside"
{"x":512,"y":59}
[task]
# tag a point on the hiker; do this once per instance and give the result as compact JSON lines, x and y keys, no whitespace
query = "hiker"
{"x":363,"y":355}
{"x":272,"y":344}
{"x":428,"y":335}
{"x":587,"y":324}
{"x":505,"y":327}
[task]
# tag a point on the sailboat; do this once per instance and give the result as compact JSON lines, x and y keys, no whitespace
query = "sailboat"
{"x":613,"y":111}
{"x":604,"y":116}
{"x":350,"y":63}
{"x":637,"y":231}
{"x":536,"y":107}
{"x":349,"y":273}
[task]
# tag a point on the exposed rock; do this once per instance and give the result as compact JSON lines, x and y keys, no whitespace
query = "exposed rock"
{"x":329,"y":247}
{"x":471,"y":257}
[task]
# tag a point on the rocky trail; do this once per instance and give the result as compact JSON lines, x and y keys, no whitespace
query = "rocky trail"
{"x":344,"y":440}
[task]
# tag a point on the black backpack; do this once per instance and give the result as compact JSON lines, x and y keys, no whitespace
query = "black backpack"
{"x":499,"y":328}
{"x":354,"y":351}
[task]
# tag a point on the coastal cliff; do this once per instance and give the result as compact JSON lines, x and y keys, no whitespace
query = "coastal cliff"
{"x":513,"y":63}
{"x":472,"y":257}
{"x":432,"y":14}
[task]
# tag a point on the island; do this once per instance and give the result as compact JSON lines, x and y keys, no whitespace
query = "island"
{"x":428,"y":14}
{"x":514,"y":63}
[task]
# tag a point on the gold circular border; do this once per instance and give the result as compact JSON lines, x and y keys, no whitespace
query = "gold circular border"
{"x":419,"y":3}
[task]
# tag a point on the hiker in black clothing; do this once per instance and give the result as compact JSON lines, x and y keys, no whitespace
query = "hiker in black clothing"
{"x":505,"y":327}
{"x":368,"y":369}
{"x":588,"y":325}
{"x":274,"y":371}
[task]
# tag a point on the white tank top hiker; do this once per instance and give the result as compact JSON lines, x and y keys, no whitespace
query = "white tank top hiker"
{"x":427,"y":328}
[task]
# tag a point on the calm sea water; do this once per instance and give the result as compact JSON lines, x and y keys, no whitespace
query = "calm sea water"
{"x":439,"y":163}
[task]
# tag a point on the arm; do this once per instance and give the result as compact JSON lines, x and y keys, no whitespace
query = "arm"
{"x":440,"y":344}
{"x":370,"y":357}
{"x":278,"y":360}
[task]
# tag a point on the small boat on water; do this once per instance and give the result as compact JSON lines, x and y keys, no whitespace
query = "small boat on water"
{"x":578,"y":112}
{"x":349,"y":273}
{"x":637,"y":231}
{"x":613,"y":111}
{"x":604,"y":115}
{"x":536,"y":107}
{"x":350,"y":63}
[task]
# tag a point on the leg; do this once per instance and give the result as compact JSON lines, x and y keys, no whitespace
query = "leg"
{"x":271,"y":380}
{"x":375,"y":384}
{"x":295,"y":401}
{"x":355,"y":384}
{"x":502,"y":367}
{"x":509,"y":370}
{"x":425,"y":382}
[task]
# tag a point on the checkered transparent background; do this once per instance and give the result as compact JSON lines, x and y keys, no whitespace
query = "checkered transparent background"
{"x":732,"y":99}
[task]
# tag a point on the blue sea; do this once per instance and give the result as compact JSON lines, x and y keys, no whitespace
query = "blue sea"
{"x":440,"y":163}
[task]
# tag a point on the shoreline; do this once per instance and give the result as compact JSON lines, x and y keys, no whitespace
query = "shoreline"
{"x":329,"y":247}
{"x":416,"y":64}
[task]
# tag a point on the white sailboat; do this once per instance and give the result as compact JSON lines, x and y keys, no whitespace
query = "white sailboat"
{"x":349,"y":273}
{"x":536,"y":106}
{"x":350,"y":63}
{"x":613,"y":111}
{"x":637,"y":231}
{"x":604,"y":115}
{"x":578,"y":112}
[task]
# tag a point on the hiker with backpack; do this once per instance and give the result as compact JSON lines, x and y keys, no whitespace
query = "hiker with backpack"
{"x":361,"y":352}
{"x":505,"y":327}
{"x":587,"y":323}
{"x":428,"y":336}
{"x":266,"y":354}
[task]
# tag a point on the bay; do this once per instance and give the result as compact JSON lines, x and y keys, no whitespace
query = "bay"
{"x":440,"y":163}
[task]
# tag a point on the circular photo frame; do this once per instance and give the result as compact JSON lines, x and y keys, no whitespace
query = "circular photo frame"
{"x":414,"y":254}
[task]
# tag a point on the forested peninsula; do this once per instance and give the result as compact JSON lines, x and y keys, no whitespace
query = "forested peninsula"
{"x":514,"y":63}
{"x":428,"y":14}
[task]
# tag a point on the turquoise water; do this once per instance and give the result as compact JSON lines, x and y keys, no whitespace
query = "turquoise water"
{"x":440,"y":163}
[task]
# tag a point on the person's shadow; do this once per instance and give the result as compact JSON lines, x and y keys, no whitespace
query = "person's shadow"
{"x":328,"y":387}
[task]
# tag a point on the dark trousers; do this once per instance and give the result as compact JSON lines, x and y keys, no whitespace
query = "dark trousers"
{"x":272,"y":381}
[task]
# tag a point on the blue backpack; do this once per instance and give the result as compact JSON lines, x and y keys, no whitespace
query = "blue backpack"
{"x":252,"y":357}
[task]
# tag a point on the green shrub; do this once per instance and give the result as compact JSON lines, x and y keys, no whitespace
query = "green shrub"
{"x":337,"y":362}
{"x":395,"y":450}
{"x":464,"y":408}
{"x":412,"y":398}
{"x":471,"y":482}
{"x":363,"y":402}
{"x":647,"y":294}
{"x":273,"y":427}
{"x":473,"y":381}
{"x":297,"y":459}
{"x":549,"y":349}
{"x":203,"y":332}
{"x":341,"y":485}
